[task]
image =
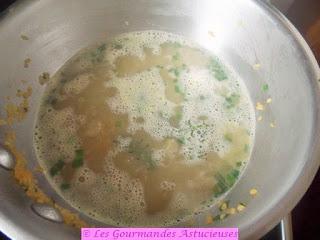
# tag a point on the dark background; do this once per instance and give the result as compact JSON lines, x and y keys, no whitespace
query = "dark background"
{"x":305,"y":15}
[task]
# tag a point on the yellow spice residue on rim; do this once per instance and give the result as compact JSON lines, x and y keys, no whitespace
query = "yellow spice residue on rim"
{"x":21,"y":173}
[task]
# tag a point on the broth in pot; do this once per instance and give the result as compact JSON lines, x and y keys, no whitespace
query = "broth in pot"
{"x":146,"y":129}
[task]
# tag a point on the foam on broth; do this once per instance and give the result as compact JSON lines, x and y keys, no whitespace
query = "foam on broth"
{"x":146,"y":129}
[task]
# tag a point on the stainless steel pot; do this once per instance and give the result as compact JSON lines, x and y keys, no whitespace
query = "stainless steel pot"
{"x":252,"y":37}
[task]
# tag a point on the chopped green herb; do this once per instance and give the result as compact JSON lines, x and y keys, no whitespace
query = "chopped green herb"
{"x":229,"y":179}
{"x":181,"y":140}
{"x":216,"y":218}
{"x":160,"y":113}
{"x":177,"y":89}
{"x":160,"y":66}
{"x":239,"y":164}
{"x":176,"y":45}
{"x":228,"y":137}
{"x":102,"y":48}
{"x":118,"y":124}
{"x":217,"y":69}
{"x":232,"y":100}
{"x":98,"y":54}
{"x":246,"y":148}
{"x":142,"y":152}
{"x":235,"y":173}
{"x":57,"y":167}
{"x":221,"y":187}
{"x":65,"y":186}
{"x":265,"y":87}
{"x":163,"y":115}
{"x":193,"y":128}
{"x":175,"y":71}
{"x":24,"y":37}
{"x":225,"y":182}
{"x":71,"y":140}
{"x":178,"y":115}
{"x":232,"y":177}
{"x":78,"y":159}
{"x":52,"y":100}
{"x":117,"y":46}
{"x":176,"y":57}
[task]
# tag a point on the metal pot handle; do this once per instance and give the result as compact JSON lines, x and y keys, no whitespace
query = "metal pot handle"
{"x":286,"y":228}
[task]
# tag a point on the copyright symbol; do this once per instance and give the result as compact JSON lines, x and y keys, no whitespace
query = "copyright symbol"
{"x":85,"y":233}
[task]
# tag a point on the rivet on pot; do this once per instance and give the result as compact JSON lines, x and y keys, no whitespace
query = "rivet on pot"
{"x":47,"y":212}
{"x":6,"y":159}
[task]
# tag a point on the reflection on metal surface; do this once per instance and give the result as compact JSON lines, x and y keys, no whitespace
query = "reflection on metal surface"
{"x":47,"y":212}
{"x":6,"y":159}
{"x":286,"y":228}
